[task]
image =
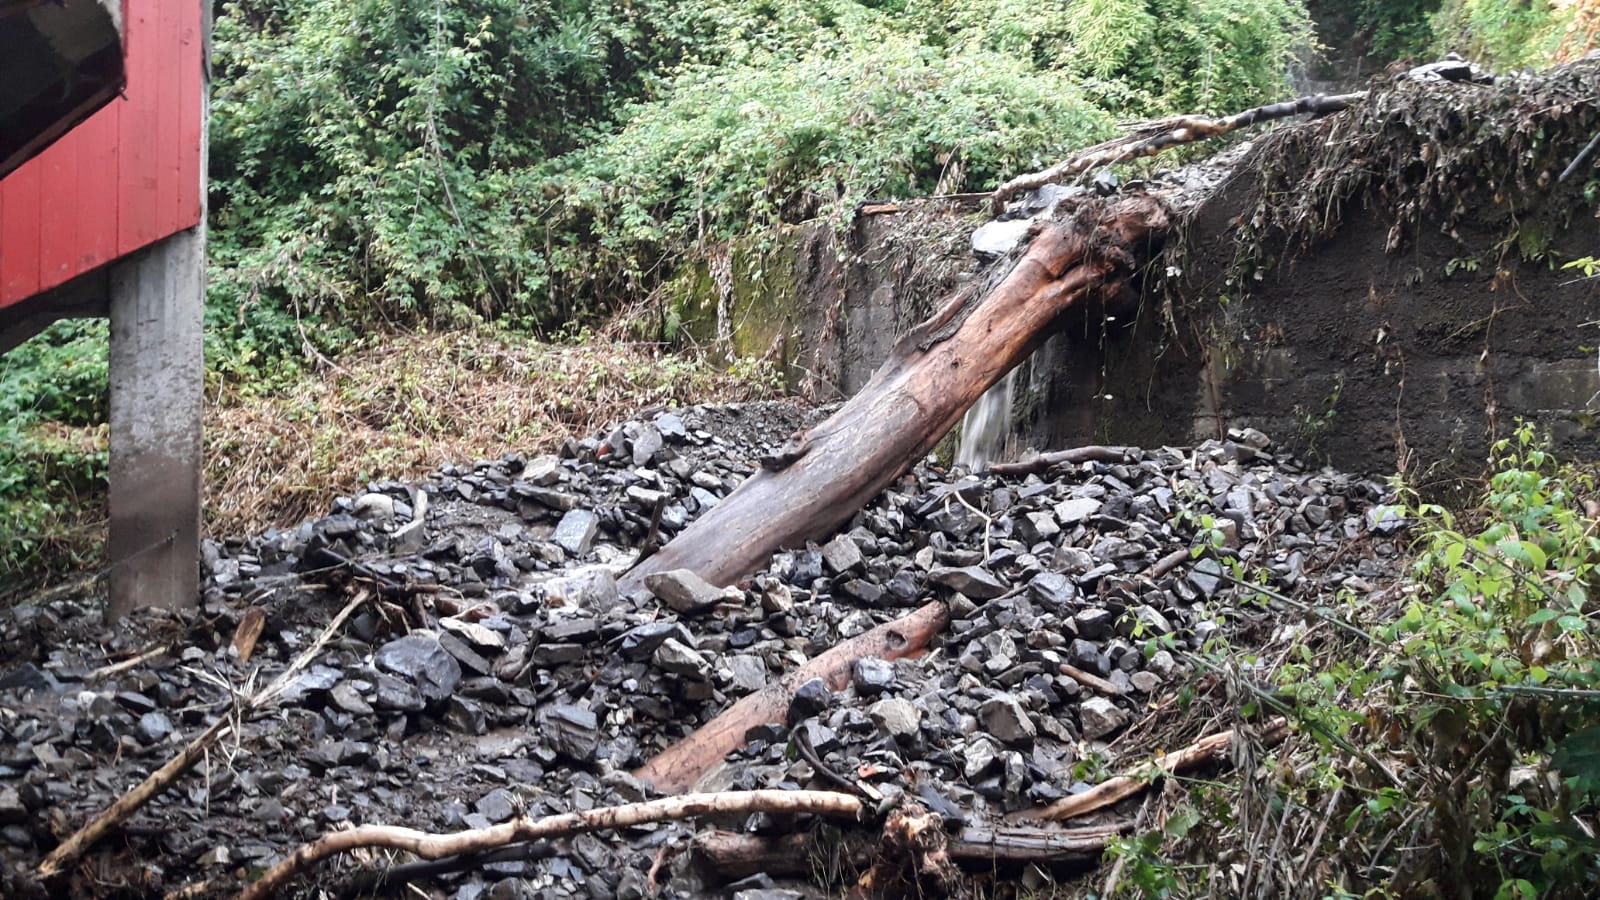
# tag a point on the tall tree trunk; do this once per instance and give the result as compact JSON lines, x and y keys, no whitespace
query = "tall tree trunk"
{"x":938,"y":370}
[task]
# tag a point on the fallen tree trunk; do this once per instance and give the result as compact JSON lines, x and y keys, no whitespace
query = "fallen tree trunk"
{"x":678,"y":767}
{"x":938,"y":370}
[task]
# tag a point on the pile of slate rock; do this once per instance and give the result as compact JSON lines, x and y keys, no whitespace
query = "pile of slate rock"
{"x":501,"y":672}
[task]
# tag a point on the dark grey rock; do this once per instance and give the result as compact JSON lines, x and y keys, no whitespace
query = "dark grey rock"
{"x":153,"y":728}
{"x":680,"y":659}
{"x":640,"y":643}
{"x":687,"y":592}
{"x":842,"y":555}
{"x":1094,"y":623}
{"x":572,"y":730}
{"x":871,"y":676}
{"x":1100,"y":717}
{"x":972,"y":581}
{"x":747,"y":673}
{"x":1005,"y":718}
{"x":420,"y":659}
{"x":896,"y":716}
{"x":499,"y":805}
{"x":810,"y":699}
{"x":396,"y":694}
{"x":575,"y":532}
{"x":646,"y":444}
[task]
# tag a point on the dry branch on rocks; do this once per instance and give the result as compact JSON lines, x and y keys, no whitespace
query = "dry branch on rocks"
{"x":1043,"y":462}
{"x":732,"y":855}
{"x":1123,"y":786}
{"x":429,"y":845}
{"x":158,"y":781}
{"x":1151,"y":138}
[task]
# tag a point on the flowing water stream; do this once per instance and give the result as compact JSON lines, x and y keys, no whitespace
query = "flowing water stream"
{"x":987,"y":425}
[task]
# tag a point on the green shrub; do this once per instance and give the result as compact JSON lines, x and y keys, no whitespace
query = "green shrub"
{"x":50,"y":478}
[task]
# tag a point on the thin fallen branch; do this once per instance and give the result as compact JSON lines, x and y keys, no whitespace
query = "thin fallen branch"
{"x":1090,"y":680}
{"x":733,"y":855}
{"x":158,"y":781}
{"x":429,"y":845}
{"x":132,"y":662}
{"x":1124,"y":786}
{"x":681,"y":765}
{"x":1044,"y":461}
{"x":1150,"y":138}
{"x":1167,"y":563}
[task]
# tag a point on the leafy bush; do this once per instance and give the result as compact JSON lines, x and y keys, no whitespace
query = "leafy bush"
{"x":1503,"y":34}
{"x":46,"y":473}
{"x":880,"y":115}
{"x":1444,"y":731}
{"x":409,"y":160}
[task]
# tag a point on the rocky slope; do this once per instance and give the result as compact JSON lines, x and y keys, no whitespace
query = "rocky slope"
{"x":500,"y":671}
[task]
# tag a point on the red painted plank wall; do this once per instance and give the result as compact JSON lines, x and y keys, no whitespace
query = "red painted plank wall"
{"x":128,"y":176}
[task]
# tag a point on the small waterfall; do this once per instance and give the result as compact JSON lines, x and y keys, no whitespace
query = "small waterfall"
{"x":987,"y":425}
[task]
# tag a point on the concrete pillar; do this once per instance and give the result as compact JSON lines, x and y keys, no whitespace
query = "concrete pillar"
{"x":157,"y":382}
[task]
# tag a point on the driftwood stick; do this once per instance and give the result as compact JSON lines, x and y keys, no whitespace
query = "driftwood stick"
{"x":428,"y":845}
{"x":1044,"y":461}
{"x":678,"y":767}
{"x":1167,"y":563}
{"x":1090,"y":680}
{"x":1124,"y":786}
{"x":159,"y":780}
{"x":132,"y":662}
{"x":733,"y":855}
{"x":1150,"y":138}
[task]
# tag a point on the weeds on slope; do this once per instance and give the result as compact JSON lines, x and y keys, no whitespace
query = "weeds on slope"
{"x":1446,"y":739}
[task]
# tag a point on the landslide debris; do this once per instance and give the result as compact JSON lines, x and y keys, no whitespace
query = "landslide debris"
{"x":500,"y":671}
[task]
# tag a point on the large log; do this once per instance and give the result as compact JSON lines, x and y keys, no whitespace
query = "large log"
{"x":934,"y":374}
{"x":681,"y":765}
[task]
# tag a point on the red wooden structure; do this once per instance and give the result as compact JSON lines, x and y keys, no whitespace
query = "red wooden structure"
{"x":125,"y":178}
{"x":110,"y":220}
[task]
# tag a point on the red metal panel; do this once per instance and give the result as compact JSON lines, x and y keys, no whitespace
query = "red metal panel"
{"x":138,"y":167}
{"x":97,"y":181}
{"x":190,"y":65}
{"x":19,"y":233}
{"x":126,"y":177}
{"x":58,"y":213}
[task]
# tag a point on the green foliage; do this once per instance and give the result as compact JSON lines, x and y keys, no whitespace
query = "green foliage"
{"x":538,"y":160}
{"x":1503,"y":34}
{"x":57,"y":377}
{"x":1446,"y":739}
{"x":1485,"y":683}
{"x":1397,"y":28}
{"x":774,"y":141}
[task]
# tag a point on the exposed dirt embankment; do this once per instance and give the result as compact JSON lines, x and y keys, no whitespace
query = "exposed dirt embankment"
{"x":1383,"y":288}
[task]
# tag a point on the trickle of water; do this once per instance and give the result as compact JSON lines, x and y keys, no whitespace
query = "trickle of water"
{"x":987,"y":425}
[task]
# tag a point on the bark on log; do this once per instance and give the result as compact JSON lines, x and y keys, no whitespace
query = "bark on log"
{"x":678,"y":767}
{"x":934,"y":374}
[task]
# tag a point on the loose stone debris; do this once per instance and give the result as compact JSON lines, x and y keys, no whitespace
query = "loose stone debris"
{"x":499,"y":672}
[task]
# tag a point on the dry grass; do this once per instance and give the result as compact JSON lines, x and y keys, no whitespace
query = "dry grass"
{"x":400,"y":409}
